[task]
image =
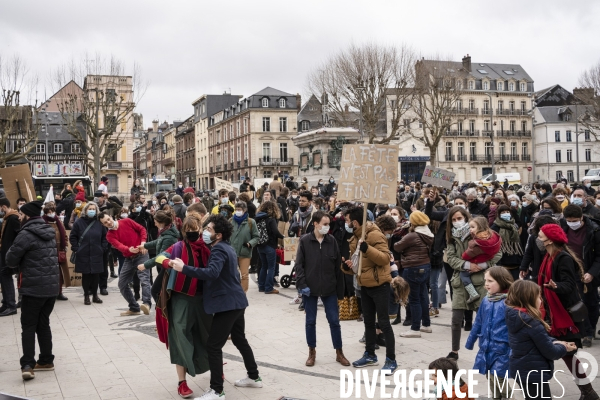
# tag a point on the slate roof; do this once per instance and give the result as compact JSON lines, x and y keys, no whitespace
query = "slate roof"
{"x":552,"y":114}
{"x":269,"y":91}
{"x":493,"y":71}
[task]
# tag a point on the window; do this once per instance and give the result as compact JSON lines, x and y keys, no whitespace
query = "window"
{"x":459,"y":104}
{"x":265,"y":102}
{"x":471,"y":104}
{"x":281,"y":103}
{"x":488,"y":149}
{"x":472,"y":149}
{"x":406,"y":123}
{"x":113,"y":183}
{"x":459,"y":84}
{"x":471,"y":85}
{"x":58,"y":148}
{"x":511,"y":106}
{"x":282,"y":124}
{"x":111,"y":150}
{"x":224,"y":133}
{"x":588,"y":155}
{"x":283,"y":152}
{"x":237,"y":128}
{"x":570,"y":175}
{"x":40,"y":148}
{"x":486,"y":85}
{"x":225,"y":157}
{"x":267,"y":173}
{"x":558,"y":176}
{"x":486,"y":107}
{"x":522,"y":87}
{"x":486,"y":125}
{"x":511,"y":86}
{"x":513,"y":149}
{"x":245,"y":151}
{"x":305,"y":126}
{"x":500,"y":85}
{"x":245,"y":125}
{"x":448,"y":149}
{"x":502,"y":148}
{"x":472,"y":126}
{"x":266,"y":152}
{"x":557,"y":136}
{"x":500,"y":106}
{"x":461,"y":148}
{"x":523,"y":106}
{"x":523,"y":126}
{"x":392,"y":104}
{"x":266,"y":124}
{"x":460,"y":127}
{"x":75,"y":148}
{"x":569,"y":155}
{"x":586,"y":133}
{"x":569,"y":136}
{"x":111,"y":95}
{"x":239,"y":154}
{"x":501,"y":125}
{"x":567,"y":117}
{"x":406,"y":104}
{"x":524,"y":149}
{"x":231,"y":133}
{"x":558,"y":156}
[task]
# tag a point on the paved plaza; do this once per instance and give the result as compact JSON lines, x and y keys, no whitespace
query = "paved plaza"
{"x":100,"y":355}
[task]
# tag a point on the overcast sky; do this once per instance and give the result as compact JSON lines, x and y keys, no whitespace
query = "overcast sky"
{"x":189,"y":48}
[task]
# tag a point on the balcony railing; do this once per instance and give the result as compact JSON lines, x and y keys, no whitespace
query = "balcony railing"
{"x":462,"y":133}
{"x":461,"y":157}
{"x":449,"y":157}
{"x":526,"y":157}
{"x":466,"y":111}
{"x":509,"y":157}
{"x":486,"y":111}
{"x":486,"y":132}
{"x":268,"y":161}
{"x":505,"y":111}
{"x":509,"y":133}
{"x":218,"y":168}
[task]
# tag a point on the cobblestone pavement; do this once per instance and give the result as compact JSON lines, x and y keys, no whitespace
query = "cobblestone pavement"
{"x":100,"y":355}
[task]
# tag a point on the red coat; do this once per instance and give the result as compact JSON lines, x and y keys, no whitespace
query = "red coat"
{"x":482,"y":250}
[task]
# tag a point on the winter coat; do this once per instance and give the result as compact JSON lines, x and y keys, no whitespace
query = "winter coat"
{"x":328,"y":189}
{"x":532,"y":258}
{"x":180,"y":210}
{"x":318,"y":266}
{"x":89,"y":256}
{"x":490,"y":329}
{"x":272,"y":230}
{"x":591,"y":247}
{"x":591,"y":211}
{"x":283,"y":208}
{"x":10,"y":229}
{"x":526,"y":218}
{"x":439,"y":240}
{"x":482,"y":250}
{"x":375,"y":269}
{"x":146,"y":220}
{"x":34,"y":253}
{"x":276,"y":186}
{"x":414,"y":249}
{"x":478,"y":208}
{"x":454,"y":251}
{"x":166,"y":239}
{"x":509,"y":260}
{"x":531,"y":347}
{"x":246,"y":232}
{"x":67,"y":204}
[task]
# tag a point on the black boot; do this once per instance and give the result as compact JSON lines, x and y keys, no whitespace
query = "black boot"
{"x":588,"y":392}
{"x":86,"y":300}
{"x":96,"y":299}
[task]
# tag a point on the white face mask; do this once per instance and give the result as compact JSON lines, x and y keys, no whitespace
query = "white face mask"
{"x":324,"y":230}
{"x":396,"y":218}
{"x":459,"y":224}
{"x":123,"y":216}
{"x":239,"y":213}
{"x":598,"y":202}
{"x":52,"y":215}
{"x":560,"y":198}
{"x":525,"y":204}
{"x":574,"y":225}
{"x":388,"y":235}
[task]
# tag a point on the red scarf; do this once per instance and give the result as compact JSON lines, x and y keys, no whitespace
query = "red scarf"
{"x":61,"y":229}
{"x":560,"y":320}
{"x":199,"y":249}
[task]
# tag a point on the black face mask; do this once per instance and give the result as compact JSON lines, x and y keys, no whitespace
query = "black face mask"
{"x":303,"y":209}
{"x":192,"y":236}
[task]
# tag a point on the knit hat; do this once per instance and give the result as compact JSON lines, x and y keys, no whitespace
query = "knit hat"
{"x":555,"y":233}
{"x":188,"y":190}
{"x":98,"y":193}
{"x":32,"y":209}
{"x":496,"y":200}
{"x":177,"y":199}
{"x":417,"y":218}
{"x":80,"y":197}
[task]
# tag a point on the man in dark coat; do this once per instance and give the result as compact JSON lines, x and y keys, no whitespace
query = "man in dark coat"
{"x":179,"y":207}
{"x":35,"y":254}
{"x":8,"y":233}
{"x":66,"y":204}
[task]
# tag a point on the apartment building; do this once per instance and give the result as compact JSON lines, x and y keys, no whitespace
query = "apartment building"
{"x":185,"y":153}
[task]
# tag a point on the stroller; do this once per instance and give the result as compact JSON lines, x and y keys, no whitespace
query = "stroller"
{"x":287,"y":280}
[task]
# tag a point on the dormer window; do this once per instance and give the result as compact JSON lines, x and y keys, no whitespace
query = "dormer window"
{"x":511,"y":86}
{"x":471,"y":85}
{"x":500,"y":85}
{"x":486,"y":85}
{"x":265,"y":102}
{"x":523,"y":86}
{"x":281,"y":103}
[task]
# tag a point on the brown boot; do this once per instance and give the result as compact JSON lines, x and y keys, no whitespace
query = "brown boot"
{"x":339,"y":357}
{"x":312,"y":354}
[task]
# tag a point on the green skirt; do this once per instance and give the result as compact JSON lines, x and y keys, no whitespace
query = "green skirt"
{"x":188,"y":332}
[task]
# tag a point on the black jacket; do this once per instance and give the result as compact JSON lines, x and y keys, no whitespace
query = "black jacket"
{"x":525,"y":220}
{"x":146,"y":220}
{"x":328,"y":189}
{"x":591,"y":247}
{"x":591,"y":211}
{"x":477,"y":208}
{"x":251,"y":209}
{"x":565,"y":274}
{"x":406,"y":200}
{"x":318,"y":266}
{"x":89,"y":256}
{"x":180,"y":210}
{"x":283,"y":208}
{"x":439,"y":240}
{"x":34,"y":252}
{"x":11,"y":226}
{"x":67,"y":205}
{"x":532,"y":258}
{"x":272,"y":230}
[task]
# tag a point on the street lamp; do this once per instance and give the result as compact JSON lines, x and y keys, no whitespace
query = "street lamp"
{"x":45,"y":113}
{"x":489,"y":94}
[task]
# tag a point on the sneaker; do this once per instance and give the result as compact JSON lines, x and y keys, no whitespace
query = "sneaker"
{"x":145,"y":308}
{"x":301,"y":306}
{"x":426,"y":329}
{"x":362,"y":339}
{"x":433,"y":312}
{"x":129,"y":313}
{"x":407,"y":322}
{"x":44,"y":367}
{"x":274,"y":291}
{"x":249,"y":382}
{"x":184,"y":390}
{"x":296,"y":300}
{"x":320,"y":303}
{"x":411,"y":334}
{"x":366,"y":361}
{"x":586,"y":341}
{"x":452,"y":355}
{"x":212,"y":395}
{"x":390,"y":365}
{"x":27,"y":373}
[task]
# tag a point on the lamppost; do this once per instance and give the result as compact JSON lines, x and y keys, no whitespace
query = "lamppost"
{"x":45,"y":114}
{"x":489,"y":94}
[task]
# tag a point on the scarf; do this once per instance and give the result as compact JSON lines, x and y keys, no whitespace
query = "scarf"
{"x":461,"y":233}
{"x":560,"y":320}
{"x":61,"y":229}
{"x":241,"y":219}
{"x":305,"y":214}
{"x":497,"y":296}
{"x":77,"y":210}
{"x":511,"y":244}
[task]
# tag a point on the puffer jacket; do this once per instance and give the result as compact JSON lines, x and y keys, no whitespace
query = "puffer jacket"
{"x":454,"y":250}
{"x":317,"y":266}
{"x":490,"y":329}
{"x":89,"y":257}
{"x":166,"y":239}
{"x":375,"y":269}
{"x":414,"y":249}
{"x":532,"y":350}
{"x":246,"y":232}
{"x":34,"y":253}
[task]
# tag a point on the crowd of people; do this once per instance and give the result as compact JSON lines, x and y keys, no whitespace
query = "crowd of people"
{"x":525,"y":262}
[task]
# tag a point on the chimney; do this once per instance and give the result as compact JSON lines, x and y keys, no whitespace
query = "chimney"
{"x":155,"y":125}
{"x":584,"y":94}
{"x":298,"y":102}
{"x":466,"y":62}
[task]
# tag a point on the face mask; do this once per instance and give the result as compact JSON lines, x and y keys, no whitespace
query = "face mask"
{"x":499,"y":196}
{"x":560,"y":198}
{"x":459,"y":224}
{"x":540,"y":244}
{"x":534,"y":197}
{"x":192,"y":236}
{"x":138,"y":209}
{"x":239,"y":213}
{"x":153,"y":202}
{"x":598,"y":202}
{"x":1,"y":220}
{"x":171,"y":203}
{"x":20,"y":205}
{"x":294,"y":197}
{"x":505,"y":216}
{"x":76,"y":205}
{"x":349,"y":229}
{"x":578,"y":201}
{"x":223,"y":213}
{"x":331,"y":181}
{"x":525,"y":204}
{"x":180,"y":186}
{"x":303,"y":209}
{"x":206,"y":237}
{"x":324,"y":230}
{"x":574,"y":225}
{"x":91,"y":213}
{"x":513,"y":203}
{"x":225,"y":200}
{"x":396,"y":218}
{"x":123,"y":216}
{"x":461,"y":206}
{"x":52,"y":215}
{"x":542,"y":192}
{"x":388,"y":235}
{"x":587,"y":185}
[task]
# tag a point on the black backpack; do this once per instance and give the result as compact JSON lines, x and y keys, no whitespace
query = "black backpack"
{"x":263,"y":233}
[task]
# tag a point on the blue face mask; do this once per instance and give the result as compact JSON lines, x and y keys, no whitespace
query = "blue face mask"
{"x":578,"y":201}
{"x":206,"y":237}
{"x":91,"y":213}
{"x":506,"y":217}
{"x":349,"y":229}
{"x":138,"y":209}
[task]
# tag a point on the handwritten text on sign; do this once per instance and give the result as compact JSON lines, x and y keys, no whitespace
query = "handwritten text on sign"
{"x":438,"y":177}
{"x":368,"y":173}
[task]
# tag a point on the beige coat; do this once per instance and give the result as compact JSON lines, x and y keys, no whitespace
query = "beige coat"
{"x":375,"y":268}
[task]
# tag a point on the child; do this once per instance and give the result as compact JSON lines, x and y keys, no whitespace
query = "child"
{"x":490,"y":329}
{"x":483,"y":246}
{"x":532,"y":348}
{"x":447,"y":364}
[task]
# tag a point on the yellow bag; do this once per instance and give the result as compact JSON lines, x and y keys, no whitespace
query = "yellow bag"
{"x":348,"y":308}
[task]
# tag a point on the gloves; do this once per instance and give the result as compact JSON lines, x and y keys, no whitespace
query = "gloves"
{"x":305,"y":291}
{"x":345,"y":267}
{"x":363,"y":247}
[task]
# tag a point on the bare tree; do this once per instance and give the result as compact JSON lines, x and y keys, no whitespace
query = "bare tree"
{"x":438,"y":86}
{"x":18,"y":128}
{"x":97,"y":117}
{"x":359,"y":78}
{"x":589,"y":94}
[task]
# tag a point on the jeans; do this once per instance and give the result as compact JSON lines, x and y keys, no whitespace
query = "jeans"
{"x":267,"y":270}
{"x":375,"y":303}
{"x":433,"y":285}
{"x":441,"y":287}
{"x":226,"y":323}
{"x":119,"y":256}
{"x":333,"y":317}
{"x":35,"y":319}
{"x":8,"y":286}
{"x":465,"y":278}
{"x":418,"y":298}
{"x":127,"y":272}
{"x":590,"y":299}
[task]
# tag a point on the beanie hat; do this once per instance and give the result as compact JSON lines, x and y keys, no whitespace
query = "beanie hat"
{"x":98,"y":193}
{"x":80,"y":197}
{"x":177,"y":199}
{"x":555,"y":233}
{"x":32,"y":209}
{"x":496,"y":200}
{"x":417,"y":218}
{"x":104,"y":179}
{"x":188,"y":190}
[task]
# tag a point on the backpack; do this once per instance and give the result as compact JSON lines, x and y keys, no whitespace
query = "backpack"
{"x":263,"y":233}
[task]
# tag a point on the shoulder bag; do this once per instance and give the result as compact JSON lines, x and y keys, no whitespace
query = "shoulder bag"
{"x":74,"y":254}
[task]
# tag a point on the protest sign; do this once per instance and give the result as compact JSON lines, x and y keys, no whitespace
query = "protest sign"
{"x":438,"y":177}
{"x":368,"y":173}
{"x":223,"y":184}
{"x":17,"y":183}
{"x":290,"y":247}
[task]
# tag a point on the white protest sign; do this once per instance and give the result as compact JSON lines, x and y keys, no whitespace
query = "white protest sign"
{"x":290,"y":247}
{"x":438,"y":177}
{"x":223,"y":184}
{"x":368,"y":173}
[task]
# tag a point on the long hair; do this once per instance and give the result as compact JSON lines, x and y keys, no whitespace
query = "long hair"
{"x":271,"y":208}
{"x":454,"y":210}
{"x":502,"y":276}
{"x":481,"y":223}
{"x":191,"y":223}
{"x":558,"y":247}
{"x":524,"y":294}
{"x":401,"y":290}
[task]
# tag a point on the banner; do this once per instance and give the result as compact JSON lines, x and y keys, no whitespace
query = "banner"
{"x":290,"y":248}
{"x":438,"y":177}
{"x":369,"y":173}
{"x":17,"y":183}
{"x":223,"y":184}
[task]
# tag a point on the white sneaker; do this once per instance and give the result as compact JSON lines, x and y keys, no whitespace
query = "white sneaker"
{"x":249,"y":382}
{"x":211,"y":395}
{"x":426,"y":329}
{"x":320,"y":302}
{"x":296,"y":300}
{"x":411,"y":334}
